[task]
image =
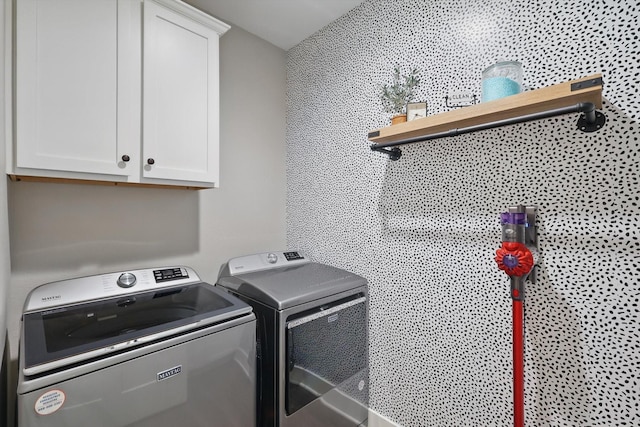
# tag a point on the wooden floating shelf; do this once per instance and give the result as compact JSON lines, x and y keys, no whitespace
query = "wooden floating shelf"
{"x":584,"y":90}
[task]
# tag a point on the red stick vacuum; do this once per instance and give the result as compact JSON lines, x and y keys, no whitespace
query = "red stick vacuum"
{"x":515,"y":259}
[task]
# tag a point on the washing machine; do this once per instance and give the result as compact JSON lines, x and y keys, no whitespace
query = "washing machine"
{"x":151,"y":347}
{"x":312,"y":339}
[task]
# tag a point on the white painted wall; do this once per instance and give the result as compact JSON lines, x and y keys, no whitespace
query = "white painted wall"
{"x":4,"y":229}
{"x":60,"y":231}
{"x":5,"y":266}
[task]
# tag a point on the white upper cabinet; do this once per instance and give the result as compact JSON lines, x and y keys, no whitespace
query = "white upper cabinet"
{"x":72,"y":69}
{"x":116,"y":90}
{"x":180,"y":95}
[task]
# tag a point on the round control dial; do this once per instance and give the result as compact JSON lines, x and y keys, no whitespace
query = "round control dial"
{"x":126,"y":280}
{"x":272,"y":258}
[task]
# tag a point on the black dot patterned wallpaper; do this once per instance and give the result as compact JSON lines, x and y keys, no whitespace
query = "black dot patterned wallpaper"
{"x":423,"y":230}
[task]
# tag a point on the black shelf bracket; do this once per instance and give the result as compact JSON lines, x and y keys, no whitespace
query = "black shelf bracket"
{"x":394,"y":153}
{"x":590,"y":120}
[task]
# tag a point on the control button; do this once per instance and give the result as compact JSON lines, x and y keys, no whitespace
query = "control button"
{"x":126,"y":280}
{"x":272,"y":258}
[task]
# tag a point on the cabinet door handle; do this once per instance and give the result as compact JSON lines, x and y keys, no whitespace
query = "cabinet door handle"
{"x":126,"y":158}
{"x":150,"y":161}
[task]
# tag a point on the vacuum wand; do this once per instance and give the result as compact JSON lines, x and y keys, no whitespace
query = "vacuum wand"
{"x":515,"y":259}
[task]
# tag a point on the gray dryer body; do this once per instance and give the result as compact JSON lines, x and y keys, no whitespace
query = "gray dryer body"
{"x":312,"y":338}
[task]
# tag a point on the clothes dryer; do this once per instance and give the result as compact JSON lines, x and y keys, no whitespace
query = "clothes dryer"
{"x":312,"y":338}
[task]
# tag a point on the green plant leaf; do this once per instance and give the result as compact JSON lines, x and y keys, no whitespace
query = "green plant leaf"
{"x":394,"y":96}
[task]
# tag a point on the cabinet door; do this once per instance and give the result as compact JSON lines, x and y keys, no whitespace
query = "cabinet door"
{"x":180,"y":97}
{"x":73,"y":69}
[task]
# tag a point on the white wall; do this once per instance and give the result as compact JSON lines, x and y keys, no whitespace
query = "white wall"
{"x":60,"y":230}
{"x":4,"y":228}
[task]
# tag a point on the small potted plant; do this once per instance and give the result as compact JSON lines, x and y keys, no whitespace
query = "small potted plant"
{"x":395,"y":96}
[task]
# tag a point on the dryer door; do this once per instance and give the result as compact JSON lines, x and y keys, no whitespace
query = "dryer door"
{"x":327,"y":356}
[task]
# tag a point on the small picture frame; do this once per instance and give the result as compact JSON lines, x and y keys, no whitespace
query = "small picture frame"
{"x":416,"y":110}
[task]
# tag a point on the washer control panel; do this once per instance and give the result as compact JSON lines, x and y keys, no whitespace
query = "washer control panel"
{"x":170,"y":274}
{"x":265,"y":261}
{"x":73,"y":291}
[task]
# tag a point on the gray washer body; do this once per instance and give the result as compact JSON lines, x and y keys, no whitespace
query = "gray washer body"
{"x":201,"y":376}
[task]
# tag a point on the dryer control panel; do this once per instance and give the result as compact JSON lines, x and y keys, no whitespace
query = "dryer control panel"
{"x":264,"y":261}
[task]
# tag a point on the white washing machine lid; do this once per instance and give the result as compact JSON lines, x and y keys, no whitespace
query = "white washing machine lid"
{"x":285,"y":286}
